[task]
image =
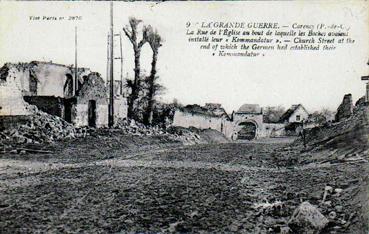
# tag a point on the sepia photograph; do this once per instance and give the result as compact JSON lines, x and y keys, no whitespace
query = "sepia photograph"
{"x":184,"y":116}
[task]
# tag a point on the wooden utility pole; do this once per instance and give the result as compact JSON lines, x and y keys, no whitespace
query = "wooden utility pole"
{"x":75,"y":62}
{"x":107,"y":60}
{"x":121,"y":64}
{"x":111,"y":60}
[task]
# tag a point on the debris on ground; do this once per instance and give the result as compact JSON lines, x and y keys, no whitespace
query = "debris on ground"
{"x":307,"y":219}
{"x":188,"y":136}
{"x":132,"y":127}
{"x":39,"y":128}
{"x":42,"y":128}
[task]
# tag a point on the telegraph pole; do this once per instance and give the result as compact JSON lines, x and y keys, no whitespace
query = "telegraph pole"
{"x":121,"y":64}
{"x":107,"y":60}
{"x":111,"y":60}
{"x":75,"y":62}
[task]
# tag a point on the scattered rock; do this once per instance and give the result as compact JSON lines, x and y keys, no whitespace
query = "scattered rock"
{"x":307,"y":219}
{"x":175,"y":227}
{"x":332,"y":215}
{"x":285,"y":230}
{"x":338,"y":208}
{"x":338,"y":191}
{"x":41,"y":128}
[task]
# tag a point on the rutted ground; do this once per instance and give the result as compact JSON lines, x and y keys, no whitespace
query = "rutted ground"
{"x":238,"y":187}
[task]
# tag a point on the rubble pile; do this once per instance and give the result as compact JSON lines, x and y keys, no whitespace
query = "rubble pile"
{"x":184,"y":135}
{"x":188,"y":136}
{"x":40,"y":128}
{"x":351,"y":127}
{"x":130,"y":126}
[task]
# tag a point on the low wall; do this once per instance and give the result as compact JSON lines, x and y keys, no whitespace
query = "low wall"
{"x":273,"y":130}
{"x":185,"y":119}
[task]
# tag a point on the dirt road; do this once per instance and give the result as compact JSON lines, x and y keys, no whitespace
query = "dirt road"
{"x":236,"y":187}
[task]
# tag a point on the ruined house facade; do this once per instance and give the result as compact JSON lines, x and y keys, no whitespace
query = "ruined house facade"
{"x":247,"y":123}
{"x":51,"y":88}
{"x":345,"y":109}
{"x":11,"y":96}
{"x":211,"y":116}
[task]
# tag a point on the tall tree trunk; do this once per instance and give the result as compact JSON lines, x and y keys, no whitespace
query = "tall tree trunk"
{"x":131,"y":32}
{"x":151,"y":101}
{"x":136,"y":82}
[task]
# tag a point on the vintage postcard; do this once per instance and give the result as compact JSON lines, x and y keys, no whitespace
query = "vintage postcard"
{"x":184,"y":116}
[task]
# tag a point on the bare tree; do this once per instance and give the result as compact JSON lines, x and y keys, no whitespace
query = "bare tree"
{"x":154,"y":40}
{"x":131,"y":31}
{"x":318,"y":118}
{"x":273,"y":114}
{"x":176,"y":103}
{"x":328,"y":114}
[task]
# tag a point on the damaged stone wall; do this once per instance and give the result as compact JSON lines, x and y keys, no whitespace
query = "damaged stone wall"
{"x":229,"y":129}
{"x":255,"y":118}
{"x":51,"y":105}
{"x":92,"y":89}
{"x":345,"y":109}
{"x":51,"y":78}
{"x":273,"y":130}
{"x":11,"y":99}
{"x":202,"y":121}
{"x":43,"y":78}
{"x":48,"y":86}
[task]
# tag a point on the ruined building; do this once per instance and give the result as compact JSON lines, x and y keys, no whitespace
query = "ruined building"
{"x":50,"y":87}
{"x":345,"y":110}
{"x":11,"y":96}
{"x":248,"y":120}
{"x":208,"y":117}
{"x":247,"y":123}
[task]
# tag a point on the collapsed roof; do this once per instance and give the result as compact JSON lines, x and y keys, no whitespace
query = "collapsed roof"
{"x":208,"y":110}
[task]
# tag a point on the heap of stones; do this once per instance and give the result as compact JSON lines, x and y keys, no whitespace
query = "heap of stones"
{"x":39,"y":128}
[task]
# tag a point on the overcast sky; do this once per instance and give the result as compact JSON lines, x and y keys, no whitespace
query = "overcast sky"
{"x":314,"y":79}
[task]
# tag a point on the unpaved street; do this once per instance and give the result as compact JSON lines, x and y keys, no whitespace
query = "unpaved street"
{"x":235,"y":187}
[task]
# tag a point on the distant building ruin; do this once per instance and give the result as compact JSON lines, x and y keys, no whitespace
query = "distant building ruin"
{"x":50,"y":87}
{"x":211,"y":116}
{"x":11,"y":98}
{"x":345,"y":109}
{"x":247,"y":123}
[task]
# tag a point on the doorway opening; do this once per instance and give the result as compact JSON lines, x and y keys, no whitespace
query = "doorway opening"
{"x":247,"y":132}
{"x":92,"y":113}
